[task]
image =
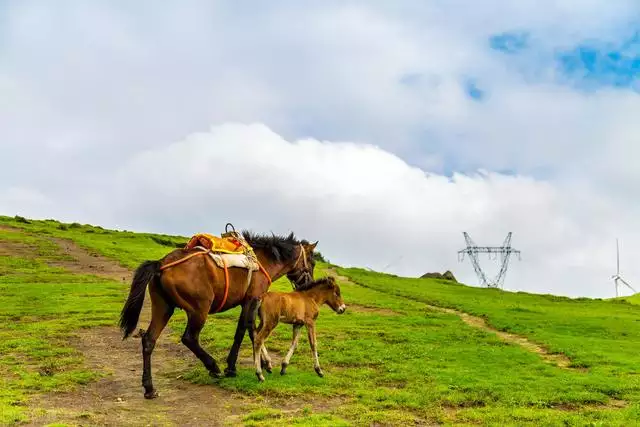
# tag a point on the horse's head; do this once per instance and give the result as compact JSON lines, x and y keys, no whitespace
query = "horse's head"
{"x":333,"y":296}
{"x":302,"y":271}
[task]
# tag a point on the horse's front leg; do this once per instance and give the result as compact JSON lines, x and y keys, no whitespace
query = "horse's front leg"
{"x":242,"y":326}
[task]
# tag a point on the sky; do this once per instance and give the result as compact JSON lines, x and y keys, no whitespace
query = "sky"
{"x":384,"y":130}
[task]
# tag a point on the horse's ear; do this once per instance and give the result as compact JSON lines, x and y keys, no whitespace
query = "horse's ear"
{"x":312,"y":246}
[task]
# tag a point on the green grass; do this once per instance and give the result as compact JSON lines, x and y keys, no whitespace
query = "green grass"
{"x":633,"y":299}
{"x":602,"y":335}
{"x":128,"y":248}
{"x":404,"y":363}
{"x":38,"y":313}
{"x":425,"y":364}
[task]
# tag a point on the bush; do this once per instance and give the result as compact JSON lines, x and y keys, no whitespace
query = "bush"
{"x":21,"y":219}
{"x":167,"y":242}
{"x":317,"y":256}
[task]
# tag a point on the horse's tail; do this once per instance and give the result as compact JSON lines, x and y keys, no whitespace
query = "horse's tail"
{"x":132,"y":308}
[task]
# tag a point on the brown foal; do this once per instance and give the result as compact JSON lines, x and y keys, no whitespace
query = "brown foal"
{"x":197,"y":286}
{"x":297,"y":308}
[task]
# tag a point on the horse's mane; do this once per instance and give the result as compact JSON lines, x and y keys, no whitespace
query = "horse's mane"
{"x":280,"y":248}
{"x":315,"y":283}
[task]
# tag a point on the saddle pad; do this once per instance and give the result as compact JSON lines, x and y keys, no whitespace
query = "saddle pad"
{"x":216,"y":244}
{"x":234,"y":260}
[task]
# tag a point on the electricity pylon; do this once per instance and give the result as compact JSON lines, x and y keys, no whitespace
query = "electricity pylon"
{"x":505,"y":251}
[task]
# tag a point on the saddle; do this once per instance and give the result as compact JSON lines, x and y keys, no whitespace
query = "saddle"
{"x":228,"y":250}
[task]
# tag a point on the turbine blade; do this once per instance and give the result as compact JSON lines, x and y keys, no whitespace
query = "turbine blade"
{"x":628,"y":285}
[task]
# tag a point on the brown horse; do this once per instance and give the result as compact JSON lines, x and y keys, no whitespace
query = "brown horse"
{"x":297,"y":308}
{"x":197,"y":285}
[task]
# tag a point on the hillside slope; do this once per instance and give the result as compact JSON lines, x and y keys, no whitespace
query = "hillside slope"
{"x":633,"y":299}
{"x":406,"y":350}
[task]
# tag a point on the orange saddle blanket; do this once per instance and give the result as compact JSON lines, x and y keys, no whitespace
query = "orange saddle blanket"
{"x":227,"y":245}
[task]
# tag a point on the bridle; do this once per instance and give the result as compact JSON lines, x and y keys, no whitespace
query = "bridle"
{"x":297,"y":278}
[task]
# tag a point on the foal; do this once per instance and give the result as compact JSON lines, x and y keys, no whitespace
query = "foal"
{"x":297,"y":308}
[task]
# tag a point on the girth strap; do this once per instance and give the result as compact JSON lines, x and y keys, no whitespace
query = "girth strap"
{"x":226,"y":274}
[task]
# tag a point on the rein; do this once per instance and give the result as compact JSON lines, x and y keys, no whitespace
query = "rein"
{"x":305,"y":273}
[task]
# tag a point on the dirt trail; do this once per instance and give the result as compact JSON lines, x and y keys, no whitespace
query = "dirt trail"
{"x":89,"y":263}
{"x":368,"y":309}
{"x":117,"y":399}
{"x":559,"y":360}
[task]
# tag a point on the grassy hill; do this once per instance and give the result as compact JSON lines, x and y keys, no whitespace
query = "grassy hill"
{"x":406,"y":351}
{"x":633,"y":299}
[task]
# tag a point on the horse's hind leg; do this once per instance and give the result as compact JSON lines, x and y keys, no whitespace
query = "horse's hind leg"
{"x":294,"y":344}
{"x":161,"y":312}
{"x":191,"y":337}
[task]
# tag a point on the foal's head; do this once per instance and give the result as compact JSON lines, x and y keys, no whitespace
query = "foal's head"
{"x":330,"y":291}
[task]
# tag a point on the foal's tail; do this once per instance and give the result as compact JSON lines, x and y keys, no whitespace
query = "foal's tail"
{"x":254,"y":308}
{"x":131,"y":310}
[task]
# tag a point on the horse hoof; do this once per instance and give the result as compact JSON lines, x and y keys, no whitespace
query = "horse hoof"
{"x":260,"y":377}
{"x":151,"y":394}
{"x":230,"y":373}
{"x":283,"y":369}
{"x":319,"y":372}
{"x":268,"y":369}
{"x":215,"y":374}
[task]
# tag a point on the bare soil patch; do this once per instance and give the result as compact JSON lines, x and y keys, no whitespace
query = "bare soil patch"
{"x":10,"y":228}
{"x":89,"y":263}
{"x":16,"y":249}
{"x":367,"y":309}
{"x":117,"y":399}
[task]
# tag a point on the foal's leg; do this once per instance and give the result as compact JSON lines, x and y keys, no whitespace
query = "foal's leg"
{"x":190,"y":338}
{"x":265,"y":359}
{"x":311,"y":330}
{"x":294,"y":344}
{"x":161,"y":312}
{"x":258,"y":343}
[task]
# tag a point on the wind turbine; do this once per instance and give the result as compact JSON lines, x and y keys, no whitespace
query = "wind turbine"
{"x":616,"y":277}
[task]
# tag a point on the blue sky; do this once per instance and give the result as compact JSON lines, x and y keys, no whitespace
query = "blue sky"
{"x":588,"y":65}
{"x":489,"y":116}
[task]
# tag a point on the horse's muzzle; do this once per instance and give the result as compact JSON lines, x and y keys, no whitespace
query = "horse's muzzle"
{"x":342,"y":309}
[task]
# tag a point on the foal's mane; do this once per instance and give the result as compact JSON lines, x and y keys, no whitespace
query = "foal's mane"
{"x":315,"y":283}
{"x":279,"y":248}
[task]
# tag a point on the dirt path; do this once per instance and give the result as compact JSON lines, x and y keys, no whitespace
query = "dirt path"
{"x":117,"y":399}
{"x":89,"y":263}
{"x":559,"y":360}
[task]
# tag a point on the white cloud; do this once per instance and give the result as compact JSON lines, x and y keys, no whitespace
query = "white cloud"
{"x":365,"y":205}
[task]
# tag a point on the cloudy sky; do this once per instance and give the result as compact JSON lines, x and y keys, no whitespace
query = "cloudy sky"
{"x":382,"y":129}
